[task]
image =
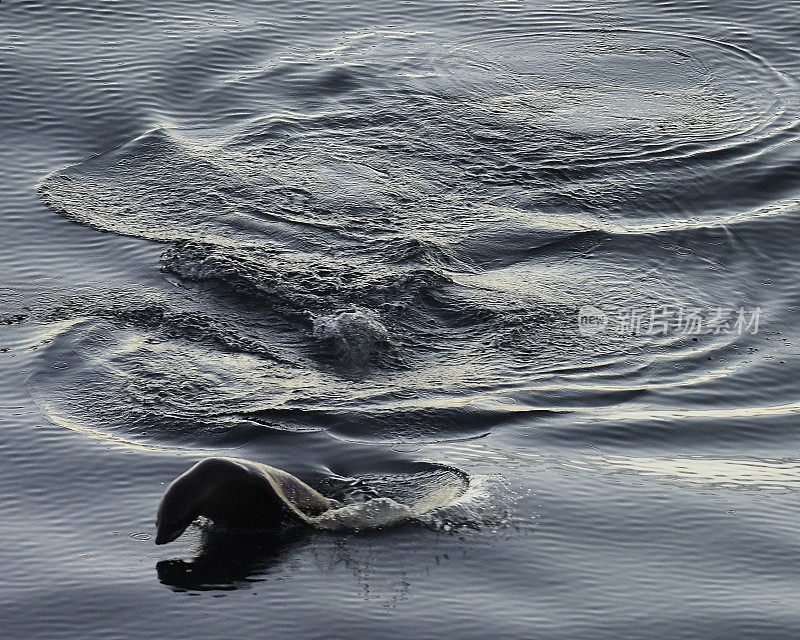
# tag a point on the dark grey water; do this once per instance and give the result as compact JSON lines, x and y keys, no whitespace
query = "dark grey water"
{"x":345,"y":239}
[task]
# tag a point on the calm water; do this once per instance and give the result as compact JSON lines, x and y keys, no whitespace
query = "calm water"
{"x":343,"y":239}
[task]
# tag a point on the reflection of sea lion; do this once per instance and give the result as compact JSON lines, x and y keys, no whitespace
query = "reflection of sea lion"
{"x":228,"y":559}
{"x":239,"y":492}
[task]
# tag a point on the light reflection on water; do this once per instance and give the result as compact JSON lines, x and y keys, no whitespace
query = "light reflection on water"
{"x":344,"y":240}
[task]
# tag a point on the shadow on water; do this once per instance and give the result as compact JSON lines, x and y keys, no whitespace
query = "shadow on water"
{"x":230,"y":560}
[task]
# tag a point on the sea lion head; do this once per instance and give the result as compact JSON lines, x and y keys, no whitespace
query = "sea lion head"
{"x":179,"y":507}
{"x":203,"y":490}
{"x":236,"y":492}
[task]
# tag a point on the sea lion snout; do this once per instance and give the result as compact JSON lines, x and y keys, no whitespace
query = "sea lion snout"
{"x":177,"y":509}
{"x":163,"y":536}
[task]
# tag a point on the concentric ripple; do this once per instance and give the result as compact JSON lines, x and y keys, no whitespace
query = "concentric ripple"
{"x":685,"y":92}
{"x":345,"y":239}
{"x":412,"y":218}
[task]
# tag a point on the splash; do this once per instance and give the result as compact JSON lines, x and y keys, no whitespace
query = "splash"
{"x":445,"y":499}
{"x":351,"y":335}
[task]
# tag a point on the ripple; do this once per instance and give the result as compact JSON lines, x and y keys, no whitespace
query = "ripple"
{"x":691,"y":93}
{"x":429,"y":190}
{"x":140,"y":536}
{"x":433,"y":207}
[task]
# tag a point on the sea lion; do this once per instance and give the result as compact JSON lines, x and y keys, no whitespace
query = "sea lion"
{"x":238,"y":492}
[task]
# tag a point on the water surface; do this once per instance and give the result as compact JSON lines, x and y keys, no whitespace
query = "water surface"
{"x":345,"y":240}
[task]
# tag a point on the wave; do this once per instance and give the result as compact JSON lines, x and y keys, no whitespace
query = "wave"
{"x":445,"y":499}
{"x":438,"y":210}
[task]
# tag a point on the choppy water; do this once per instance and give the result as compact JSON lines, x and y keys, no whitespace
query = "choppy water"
{"x":345,"y":240}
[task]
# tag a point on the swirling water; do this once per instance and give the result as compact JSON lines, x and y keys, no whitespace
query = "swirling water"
{"x":348,"y":240}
